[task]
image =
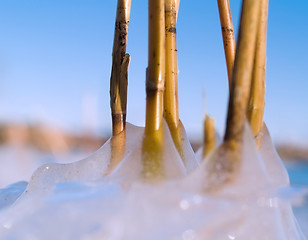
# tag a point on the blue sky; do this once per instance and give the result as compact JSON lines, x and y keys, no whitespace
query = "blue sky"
{"x":55,"y":61}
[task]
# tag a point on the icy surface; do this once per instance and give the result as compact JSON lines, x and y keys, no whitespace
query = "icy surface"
{"x":10,"y":194}
{"x":19,"y":162}
{"x":191,"y":161}
{"x":131,"y":167}
{"x":79,"y":200}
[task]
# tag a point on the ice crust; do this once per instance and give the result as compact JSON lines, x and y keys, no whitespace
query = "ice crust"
{"x":19,"y":162}
{"x":79,"y":201}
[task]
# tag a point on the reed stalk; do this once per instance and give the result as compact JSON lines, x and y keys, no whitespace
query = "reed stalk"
{"x":171,"y":108}
{"x":119,"y":72}
{"x":209,"y":136}
{"x":257,"y":94}
{"x":118,"y":84}
{"x":155,"y":81}
{"x":156,"y":66}
{"x":226,"y":161}
{"x":171,"y":105}
{"x":241,"y":77}
{"x":227,"y":35}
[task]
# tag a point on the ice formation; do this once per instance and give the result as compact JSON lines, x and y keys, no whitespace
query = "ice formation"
{"x":82,"y":200}
{"x":19,"y":162}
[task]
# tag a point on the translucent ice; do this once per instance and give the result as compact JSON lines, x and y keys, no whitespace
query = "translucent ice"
{"x":254,"y":205}
{"x":19,"y":162}
{"x":127,"y":170}
{"x":84,"y":201}
{"x":10,"y":194}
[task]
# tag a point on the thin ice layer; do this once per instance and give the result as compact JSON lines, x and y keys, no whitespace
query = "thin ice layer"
{"x":11,"y":193}
{"x":273,"y":164}
{"x":252,"y":195}
{"x":246,"y":208}
{"x":98,"y":165}
{"x":18,"y":162}
{"x":131,"y":167}
{"x":189,"y":156}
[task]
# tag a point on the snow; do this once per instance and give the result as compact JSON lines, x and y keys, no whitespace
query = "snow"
{"x":81,"y":200}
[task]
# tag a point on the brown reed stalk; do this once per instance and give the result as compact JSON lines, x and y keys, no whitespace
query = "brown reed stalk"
{"x":171,"y":105}
{"x":155,"y":81}
{"x":226,"y":161}
{"x":257,"y":94}
{"x":227,"y":35}
{"x":156,"y":66}
{"x":171,"y":108}
{"x":241,"y":77}
{"x":119,"y":72}
{"x":118,"y":84}
{"x":209,"y":136}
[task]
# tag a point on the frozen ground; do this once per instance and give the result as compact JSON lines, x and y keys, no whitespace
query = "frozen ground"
{"x":78,"y":201}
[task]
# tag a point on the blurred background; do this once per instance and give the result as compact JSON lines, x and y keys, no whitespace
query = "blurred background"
{"x":55,"y":64}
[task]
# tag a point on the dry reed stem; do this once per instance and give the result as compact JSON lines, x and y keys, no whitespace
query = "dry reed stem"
{"x":242,"y":72}
{"x":227,"y":35}
{"x":171,"y":108}
{"x":156,"y":66}
{"x":257,"y":94}
{"x":226,"y":161}
{"x":209,"y":136}
{"x":119,"y":72}
{"x":155,"y":80}
{"x":118,"y":83}
{"x":171,"y":105}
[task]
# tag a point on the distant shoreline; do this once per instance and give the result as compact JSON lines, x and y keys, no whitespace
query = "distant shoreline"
{"x":290,"y":152}
{"x":47,"y":139}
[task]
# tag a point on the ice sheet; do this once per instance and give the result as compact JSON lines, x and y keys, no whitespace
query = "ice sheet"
{"x":78,"y":200}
